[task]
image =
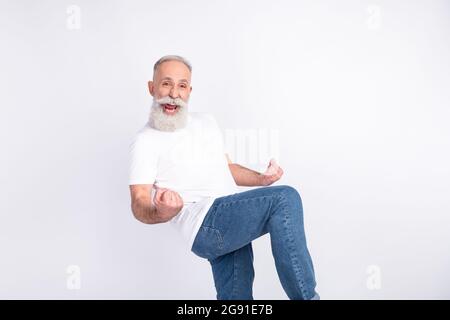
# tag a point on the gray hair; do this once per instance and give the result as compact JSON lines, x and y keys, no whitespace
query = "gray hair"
{"x":172,"y":58}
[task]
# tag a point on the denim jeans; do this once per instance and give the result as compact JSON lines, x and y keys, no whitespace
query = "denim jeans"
{"x":234,"y":221}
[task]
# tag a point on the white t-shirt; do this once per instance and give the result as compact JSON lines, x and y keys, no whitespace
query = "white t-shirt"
{"x":190,"y":161}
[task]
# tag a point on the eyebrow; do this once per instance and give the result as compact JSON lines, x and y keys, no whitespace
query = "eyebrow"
{"x":169,"y":78}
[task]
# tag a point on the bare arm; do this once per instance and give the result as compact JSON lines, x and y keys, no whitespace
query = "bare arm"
{"x":244,"y":176}
{"x":165,"y":205}
{"x":250,"y":178}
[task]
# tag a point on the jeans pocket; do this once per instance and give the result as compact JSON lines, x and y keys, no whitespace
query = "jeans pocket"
{"x":208,"y":243}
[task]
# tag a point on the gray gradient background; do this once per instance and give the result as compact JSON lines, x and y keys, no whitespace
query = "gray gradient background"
{"x":362,"y":110}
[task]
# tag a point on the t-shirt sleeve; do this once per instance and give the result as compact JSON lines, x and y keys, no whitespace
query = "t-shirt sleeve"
{"x":143,"y":161}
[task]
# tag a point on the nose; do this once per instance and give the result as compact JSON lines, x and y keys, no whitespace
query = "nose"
{"x":173,"y":92}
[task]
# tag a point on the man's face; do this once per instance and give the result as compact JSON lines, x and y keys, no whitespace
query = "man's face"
{"x":171,"y":79}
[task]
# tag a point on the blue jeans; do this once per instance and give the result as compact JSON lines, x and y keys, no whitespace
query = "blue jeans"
{"x":234,"y":221}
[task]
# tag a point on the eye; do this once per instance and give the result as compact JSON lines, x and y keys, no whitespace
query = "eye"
{"x":165,"y":84}
{"x":183,"y":86}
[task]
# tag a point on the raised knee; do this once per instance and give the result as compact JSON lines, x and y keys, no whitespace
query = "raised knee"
{"x":292,"y":201}
{"x":288,"y":190}
{"x":290,"y":193}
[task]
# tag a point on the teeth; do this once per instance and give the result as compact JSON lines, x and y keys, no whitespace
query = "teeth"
{"x":170,"y":108}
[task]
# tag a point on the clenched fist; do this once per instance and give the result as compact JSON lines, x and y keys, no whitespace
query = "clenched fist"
{"x":168,"y":203}
{"x":272,"y":174}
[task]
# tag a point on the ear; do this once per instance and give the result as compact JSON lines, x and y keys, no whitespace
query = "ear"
{"x":151,"y":88}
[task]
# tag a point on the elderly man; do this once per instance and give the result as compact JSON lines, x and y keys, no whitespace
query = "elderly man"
{"x":179,"y":173}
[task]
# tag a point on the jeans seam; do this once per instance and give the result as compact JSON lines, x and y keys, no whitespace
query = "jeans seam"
{"x":218,"y":235}
{"x":296,"y":266}
{"x":233,"y":291}
{"x":239,"y":200}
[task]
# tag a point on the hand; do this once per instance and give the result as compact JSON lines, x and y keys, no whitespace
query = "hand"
{"x":168,"y":203}
{"x":273,"y":173}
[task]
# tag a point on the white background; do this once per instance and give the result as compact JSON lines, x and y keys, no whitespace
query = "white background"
{"x":358,"y":91}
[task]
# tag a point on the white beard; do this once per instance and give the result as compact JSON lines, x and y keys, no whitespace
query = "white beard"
{"x":159,"y":120}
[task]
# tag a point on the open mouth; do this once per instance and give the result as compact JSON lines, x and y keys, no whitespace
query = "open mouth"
{"x":170,"y":108}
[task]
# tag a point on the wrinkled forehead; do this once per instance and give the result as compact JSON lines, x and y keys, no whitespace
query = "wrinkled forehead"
{"x":174,"y":70}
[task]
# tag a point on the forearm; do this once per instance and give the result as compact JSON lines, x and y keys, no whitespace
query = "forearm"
{"x":145,"y":211}
{"x":244,"y":176}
